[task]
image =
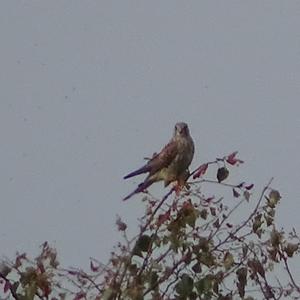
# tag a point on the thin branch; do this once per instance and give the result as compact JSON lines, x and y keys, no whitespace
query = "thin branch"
{"x":290,"y":274}
{"x":12,"y":291}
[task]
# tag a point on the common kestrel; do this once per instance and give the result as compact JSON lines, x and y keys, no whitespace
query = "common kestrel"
{"x":171,"y":163}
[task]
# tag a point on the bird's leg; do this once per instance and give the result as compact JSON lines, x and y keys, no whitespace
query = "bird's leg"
{"x":181,"y":182}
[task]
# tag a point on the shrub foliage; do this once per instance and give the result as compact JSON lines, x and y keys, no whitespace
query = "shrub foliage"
{"x":191,"y":244}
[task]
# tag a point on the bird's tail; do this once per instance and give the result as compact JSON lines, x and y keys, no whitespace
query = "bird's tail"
{"x":144,"y":169}
{"x":141,"y":187}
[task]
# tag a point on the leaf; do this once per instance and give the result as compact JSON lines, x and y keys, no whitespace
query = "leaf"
{"x":276,"y":238}
{"x":19,"y":259}
{"x":290,"y":249}
{"x":153,"y":279}
{"x":193,"y":296}
{"x":7,"y":286}
{"x":236,"y":194}
{"x":133,"y":269}
{"x":222,"y":174}
{"x":197,"y":268}
{"x":5,"y":269}
{"x":242,"y":280}
{"x":216,"y":224}
{"x":231,"y":159}
{"x":249,"y":187}
{"x":185,"y":286}
{"x":213,"y":211}
{"x":79,"y":296}
{"x":204,"y":285}
{"x":228,"y":261}
{"x":30,"y":290}
{"x":142,"y":245}
{"x":207,"y":259}
{"x":257,"y":223}
{"x":269,"y":220}
{"x":93,"y":267}
{"x":273,"y":198}
{"x":108,"y":294}
{"x":121,"y":225}
{"x":200,"y":171}
{"x":256,"y":267}
{"x":247,"y":195}
{"x":162,"y":218}
{"x":245,"y":250}
{"x":203,"y":214}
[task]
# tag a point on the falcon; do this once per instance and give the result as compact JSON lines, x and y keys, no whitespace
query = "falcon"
{"x":170,"y":164}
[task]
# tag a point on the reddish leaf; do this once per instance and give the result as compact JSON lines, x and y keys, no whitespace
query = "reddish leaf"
{"x":7,"y":286}
{"x":19,"y":259}
{"x":121,"y":225}
{"x":79,"y":296}
{"x":231,"y":159}
{"x":200,"y":171}
{"x":46,"y":289}
{"x":93,"y":267}
{"x":41,"y":267}
{"x":163,"y":218}
{"x":208,"y":200}
{"x":73,"y":272}
{"x":249,"y":187}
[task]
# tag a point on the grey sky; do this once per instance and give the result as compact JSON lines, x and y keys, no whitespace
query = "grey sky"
{"x":88,"y":88}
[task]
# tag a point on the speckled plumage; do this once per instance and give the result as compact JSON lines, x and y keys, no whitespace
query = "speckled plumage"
{"x":171,"y":163}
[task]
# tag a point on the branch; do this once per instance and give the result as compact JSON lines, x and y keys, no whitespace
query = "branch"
{"x":290,"y":274}
{"x":12,"y":291}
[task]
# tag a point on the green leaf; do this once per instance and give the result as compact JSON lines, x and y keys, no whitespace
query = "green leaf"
{"x":30,"y":290}
{"x":276,"y":238}
{"x":207,"y":259}
{"x":204,"y":285}
{"x":185,"y":286}
{"x":290,"y":249}
{"x":153,"y":279}
{"x":257,"y":223}
{"x":242,"y":280}
{"x":142,"y":245}
{"x":273,"y":198}
{"x":269,"y":220}
{"x":228,"y":261}
{"x":107,"y":294}
{"x":193,"y":296}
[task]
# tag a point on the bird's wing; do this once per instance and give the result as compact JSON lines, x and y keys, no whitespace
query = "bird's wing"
{"x":163,"y":158}
{"x":158,"y":161}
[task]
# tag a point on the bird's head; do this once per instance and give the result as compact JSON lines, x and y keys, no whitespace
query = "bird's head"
{"x":181,"y":129}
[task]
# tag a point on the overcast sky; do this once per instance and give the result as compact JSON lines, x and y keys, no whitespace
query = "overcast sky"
{"x":89,"y":88}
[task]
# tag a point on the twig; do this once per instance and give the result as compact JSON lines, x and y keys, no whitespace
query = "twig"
{"x":12,"y":291}
{"x":290,"y":274}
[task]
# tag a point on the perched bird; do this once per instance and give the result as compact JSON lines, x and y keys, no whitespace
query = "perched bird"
{"x":171,"y":163}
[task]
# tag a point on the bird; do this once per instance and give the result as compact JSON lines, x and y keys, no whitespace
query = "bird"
{"x":170,"y":164}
